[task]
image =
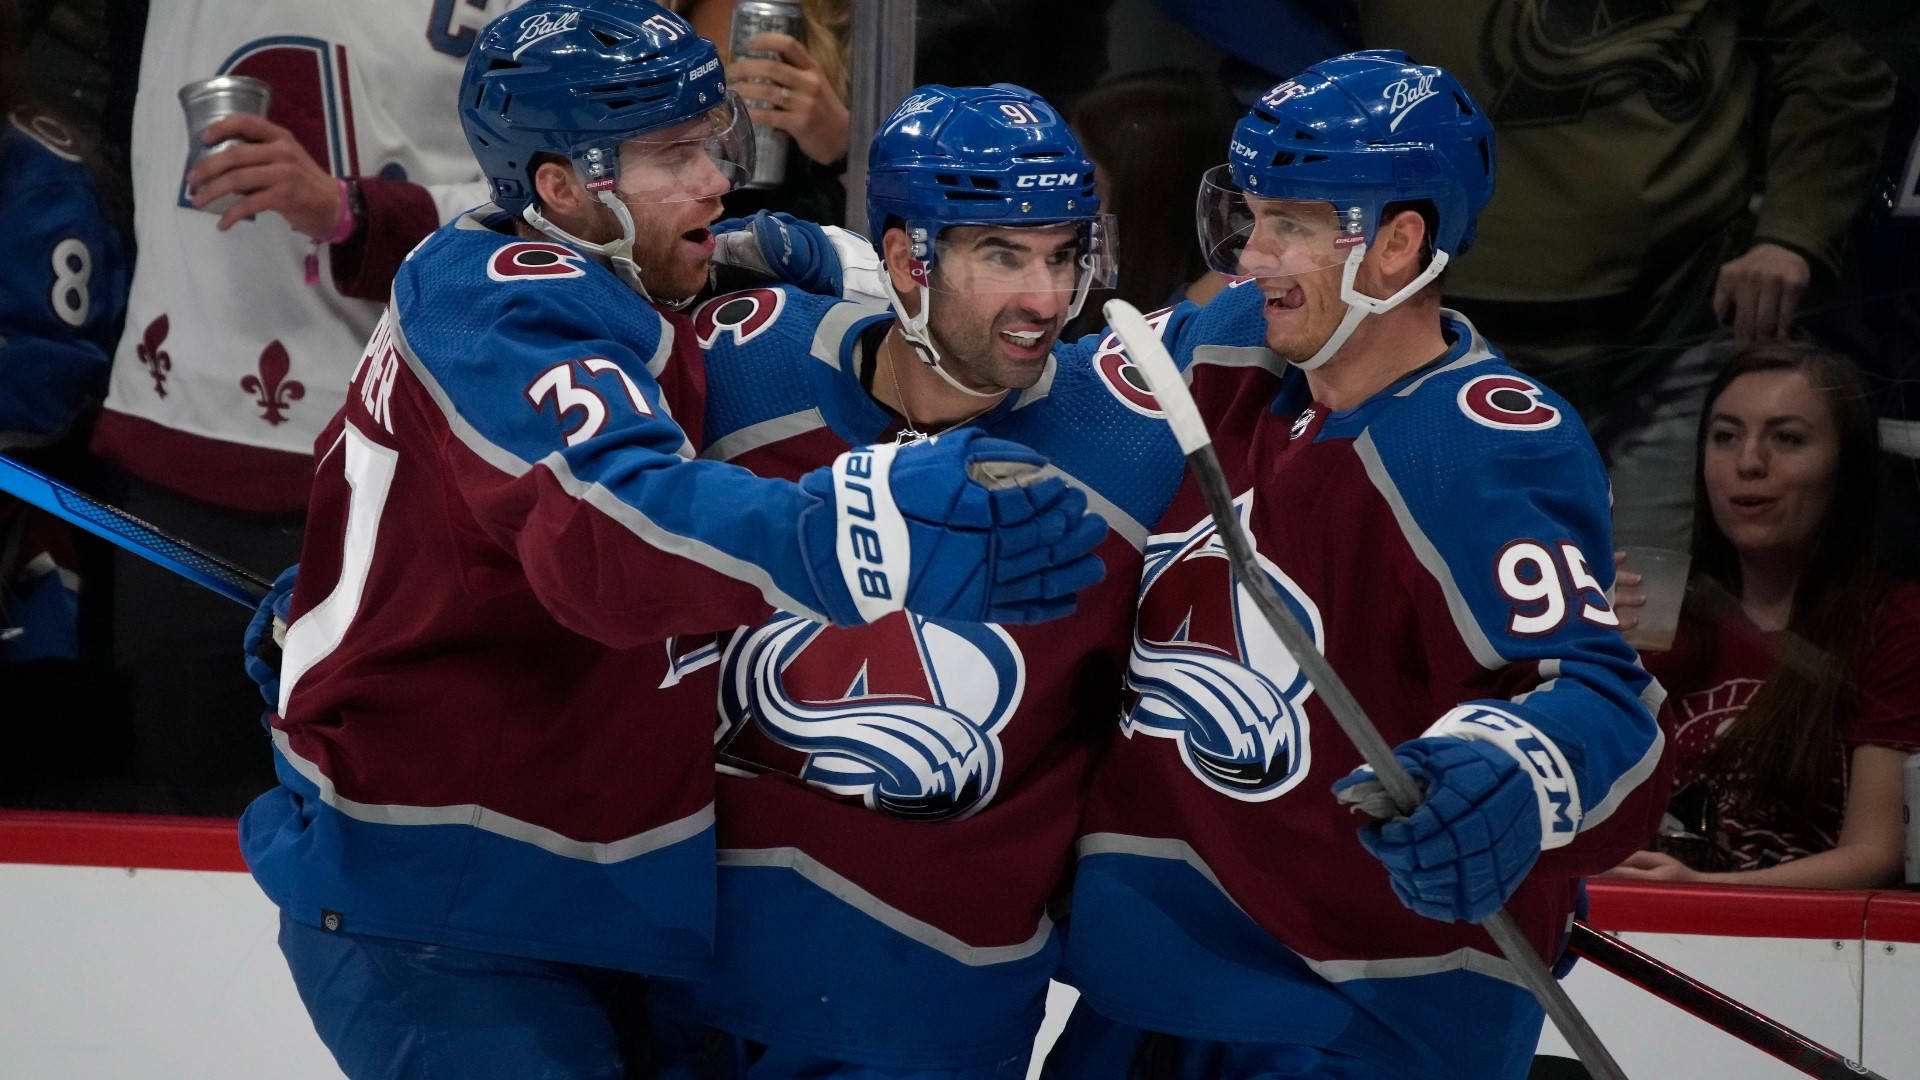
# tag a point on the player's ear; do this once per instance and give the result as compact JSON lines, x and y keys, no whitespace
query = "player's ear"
{"x":563,"y":198}
{"x":896,"y":254}
{"x":1399,"y":246}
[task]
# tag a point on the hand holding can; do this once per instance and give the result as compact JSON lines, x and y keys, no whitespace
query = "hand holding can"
{"x":752,"y":18}
{"x":208,"y":101}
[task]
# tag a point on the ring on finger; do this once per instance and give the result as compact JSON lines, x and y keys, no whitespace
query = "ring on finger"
{"x":785,"y":93}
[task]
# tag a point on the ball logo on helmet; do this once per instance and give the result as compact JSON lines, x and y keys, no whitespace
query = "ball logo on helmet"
{"x":536,"y":27}
{"x":1404,"y":94}
{"x":914,"y":106}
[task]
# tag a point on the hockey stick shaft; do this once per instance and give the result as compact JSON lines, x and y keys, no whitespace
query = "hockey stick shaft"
{"x":116,"y":525}
{"x":1170,"y":390}
{"x":1738,"y":1020}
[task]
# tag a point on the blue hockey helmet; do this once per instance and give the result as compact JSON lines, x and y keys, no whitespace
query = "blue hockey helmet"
{"x":1359,"y":131}
{"x":1320,"y":157}
{"x":996,"y":156}
{"x":576,"y":78}
{"x":975,"y":155}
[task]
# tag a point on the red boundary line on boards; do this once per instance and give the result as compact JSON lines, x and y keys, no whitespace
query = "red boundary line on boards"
{"x":128,"y":840}
{"x":1727,"y":911}
{"x":192,"y":843}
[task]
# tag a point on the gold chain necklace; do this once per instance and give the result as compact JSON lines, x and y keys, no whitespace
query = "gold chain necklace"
{"x":911,"y":431}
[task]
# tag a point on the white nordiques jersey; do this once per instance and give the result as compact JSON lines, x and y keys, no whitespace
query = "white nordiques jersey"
{"x":235,"y":359}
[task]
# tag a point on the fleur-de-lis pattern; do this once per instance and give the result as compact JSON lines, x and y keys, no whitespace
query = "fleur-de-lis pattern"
{"x":157,"y":362}
{"x":272,"y":390}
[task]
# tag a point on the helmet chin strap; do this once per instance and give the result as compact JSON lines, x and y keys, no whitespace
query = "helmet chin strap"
{"x":1360,"y":305}
{"x":914,"y":329}
{"x":616,"y":254}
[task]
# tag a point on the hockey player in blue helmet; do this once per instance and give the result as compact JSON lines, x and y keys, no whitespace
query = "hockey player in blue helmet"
{"x":1439,"y":523}
{"x":981,"y":205}
{"x":898,"y":801}
{"x":493,"y":731}
{"x":1367,"y":152}
{"x":609,"y":127}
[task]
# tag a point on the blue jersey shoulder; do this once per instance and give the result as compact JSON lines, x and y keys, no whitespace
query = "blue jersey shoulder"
{"x":1470,"y":425}
{"x":779,"y":357}
{"x":467,"y":282}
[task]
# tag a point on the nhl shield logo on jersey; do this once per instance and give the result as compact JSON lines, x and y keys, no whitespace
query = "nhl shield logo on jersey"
{"x":745,"y":315}
{"x":1212,"y":676}
{"x":903,"y":715}
{"x":1506,"y":402}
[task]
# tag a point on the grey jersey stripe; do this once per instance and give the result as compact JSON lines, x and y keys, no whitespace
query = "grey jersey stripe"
{"x":764,"y":433}
{"x":494,"y":821}
{"x":1429,"y":556}
{"x":1628,"y":780}
{"x":1118,"y":520}
{"x":1236,"y":356}
{"x":599,"y":497}
{"x":891,"y":917}
{"x":832,"y":331}
{"x":1398,"y":967}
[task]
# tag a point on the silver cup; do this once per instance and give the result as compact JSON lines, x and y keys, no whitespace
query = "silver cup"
{"x":207,"y":101}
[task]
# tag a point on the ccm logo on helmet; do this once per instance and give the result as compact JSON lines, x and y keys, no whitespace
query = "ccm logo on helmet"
{"x":1506,"y":402}
{"x":1065,"y":179}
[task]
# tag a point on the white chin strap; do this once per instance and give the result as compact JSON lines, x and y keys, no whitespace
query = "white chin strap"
{"x":914,"y":329}
{"x":1360,"y":305}
{"x":616,"y":254}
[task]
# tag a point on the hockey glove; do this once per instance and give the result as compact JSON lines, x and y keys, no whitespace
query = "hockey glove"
{"x":960,"y":526}
{"x":1473,"y":837}
{"x":265,"y":632}
{"x":778,"y":247}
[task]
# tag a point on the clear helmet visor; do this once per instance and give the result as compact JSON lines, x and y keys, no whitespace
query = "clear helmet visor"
{"x":701,"y":158}
{"x":1248,"y":235}
{"x":991,"y":257}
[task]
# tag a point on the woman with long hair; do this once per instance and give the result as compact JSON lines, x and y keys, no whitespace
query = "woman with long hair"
{"x":1795,"y":676}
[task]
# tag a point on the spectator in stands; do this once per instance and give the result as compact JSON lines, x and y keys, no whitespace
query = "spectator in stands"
{"x":63,"y":292}
{"x":231,"y":363}
{"x":1796,"y":671}
{"x":1150,"y":135}
{"x":1634,"y":142}
{"x":804,"y":93}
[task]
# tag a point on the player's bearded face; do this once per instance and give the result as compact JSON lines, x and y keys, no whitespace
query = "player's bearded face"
{"x":1000,"y":298}
{"x":671,"y":181}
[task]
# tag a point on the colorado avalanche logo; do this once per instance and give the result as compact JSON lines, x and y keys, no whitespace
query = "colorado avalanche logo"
{"x":1212,"y":676}
{"x":534,"y":259}
{"x":1506,"y":403}
{"x":745,"y":315}
{"x":903,"y":715}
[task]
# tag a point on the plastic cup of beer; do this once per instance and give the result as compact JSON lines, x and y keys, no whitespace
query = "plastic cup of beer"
{"x":208,"y":101}
{"x":1663,"y":574}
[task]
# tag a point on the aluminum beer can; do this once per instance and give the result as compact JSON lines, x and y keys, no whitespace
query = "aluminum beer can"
{"x":207,"y":101}
{"x":751,"y":17}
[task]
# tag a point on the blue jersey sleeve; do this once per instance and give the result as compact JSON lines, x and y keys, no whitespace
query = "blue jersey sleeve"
{"x":572,"y":459}
{"x":1506,"y":507}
